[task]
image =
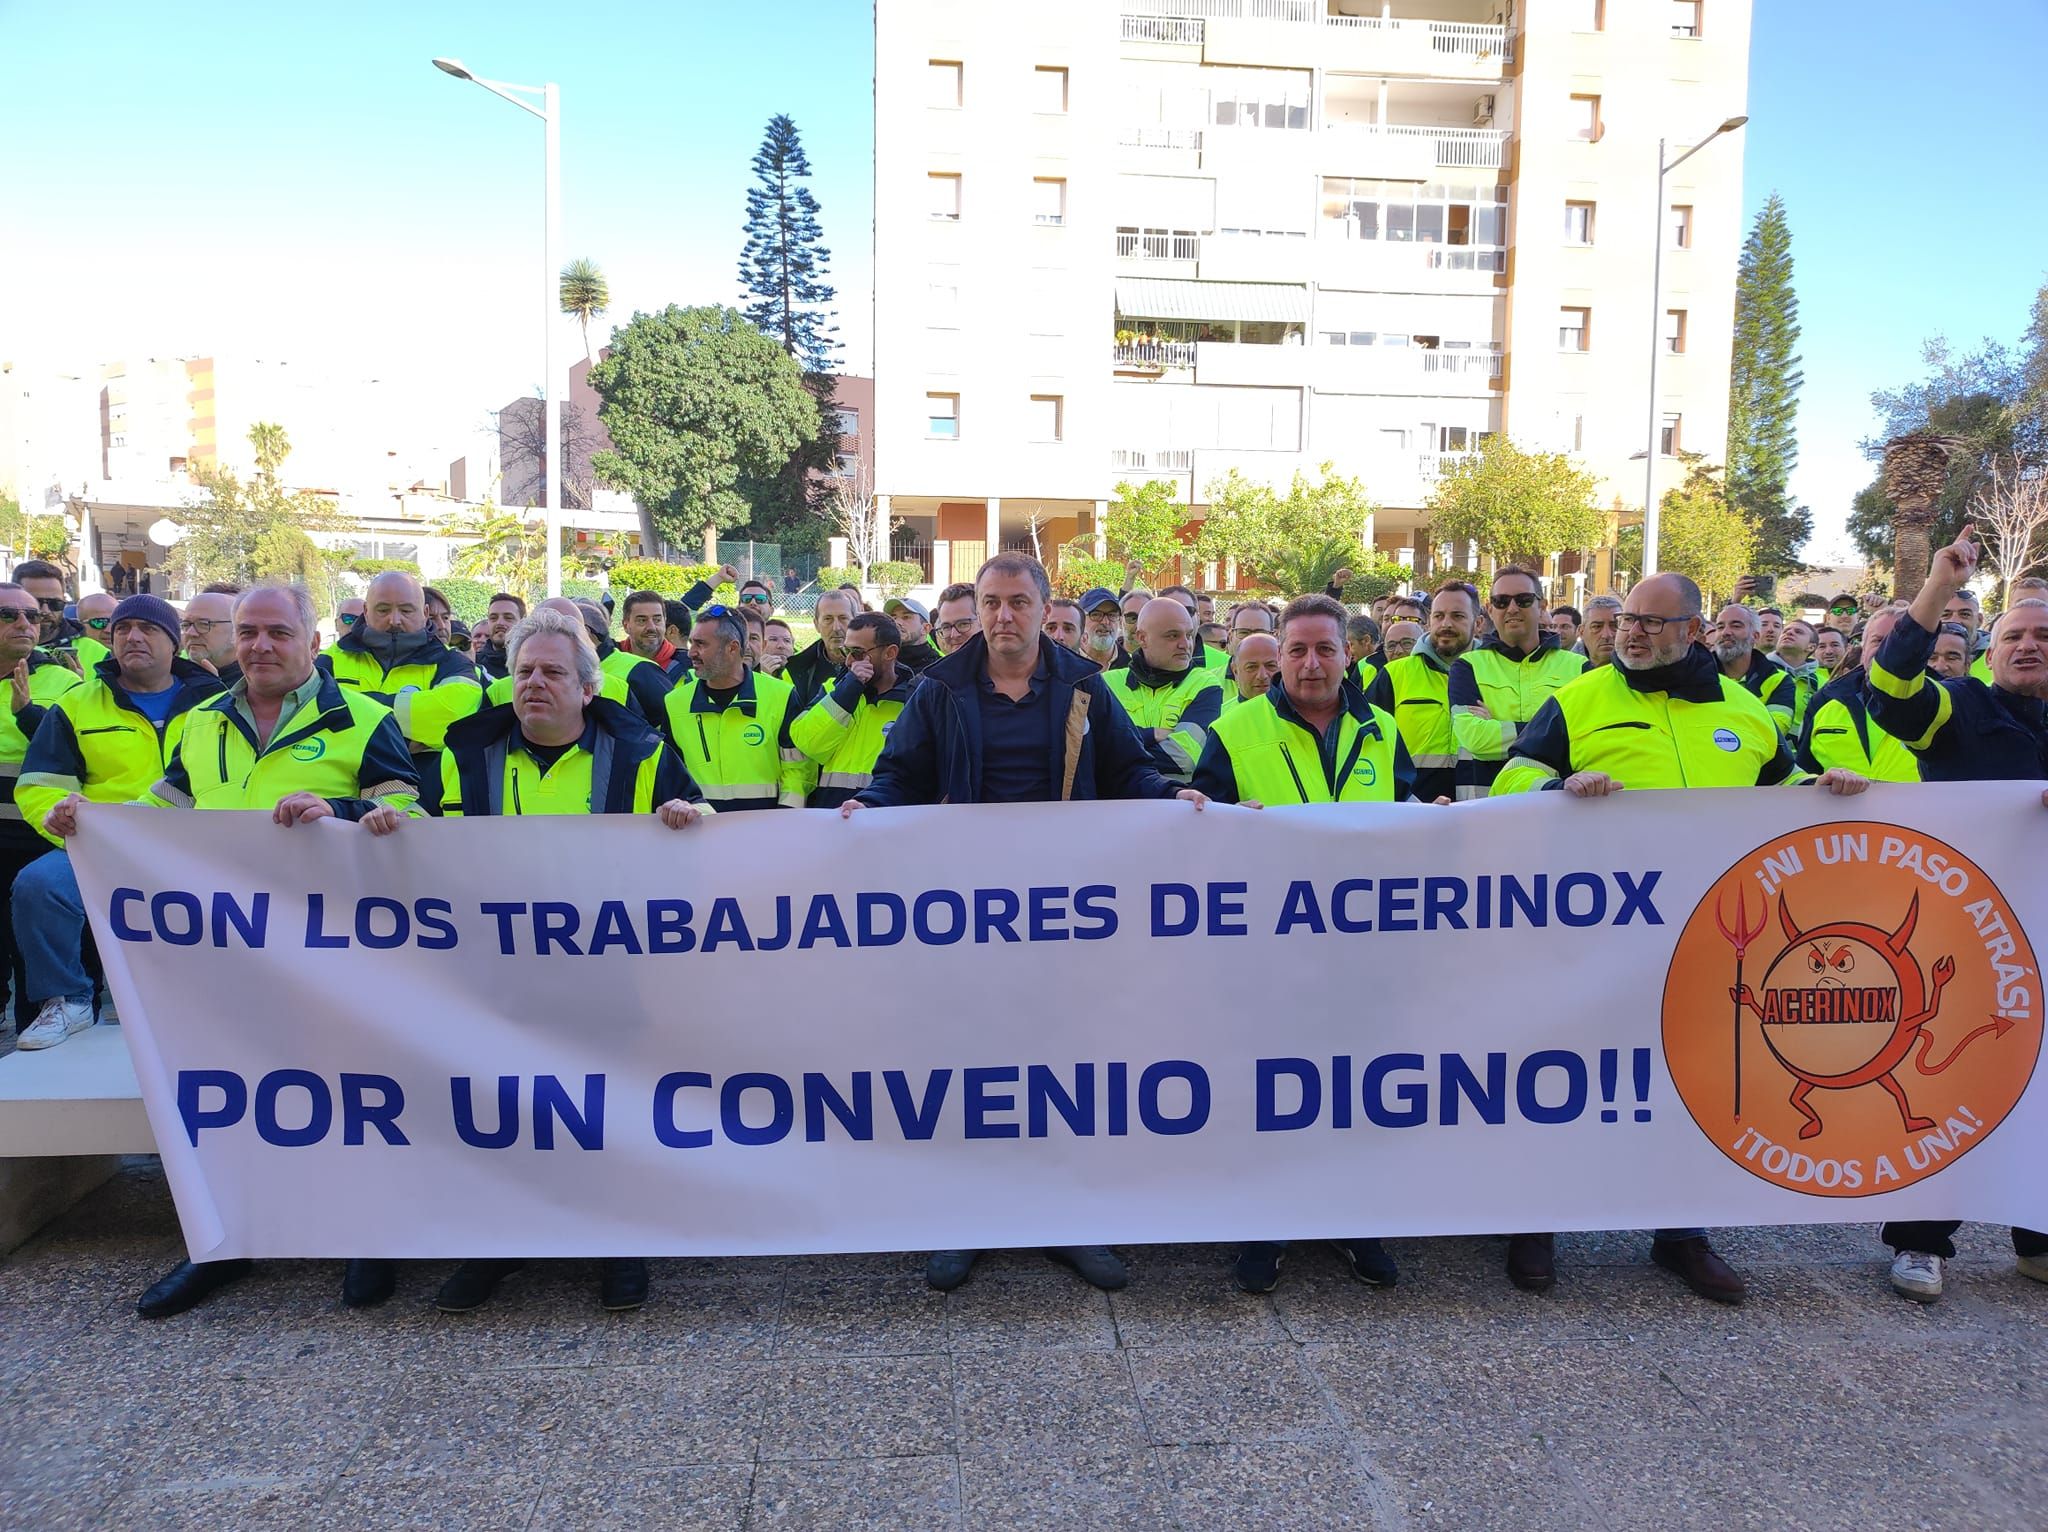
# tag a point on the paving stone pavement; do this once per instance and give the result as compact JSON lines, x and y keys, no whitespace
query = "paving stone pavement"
{"x":841,"y":1392}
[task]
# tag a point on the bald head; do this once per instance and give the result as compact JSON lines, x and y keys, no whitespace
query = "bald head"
{"x":210,"y":628}
{"x":1166,"y":634}
{"x":98,"y":604}
{"x":394,"y":604}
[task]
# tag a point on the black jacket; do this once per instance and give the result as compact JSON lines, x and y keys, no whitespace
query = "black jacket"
{"x":811,"y":672}
{"x":1961,"y":730}
{"x":617,"y":739}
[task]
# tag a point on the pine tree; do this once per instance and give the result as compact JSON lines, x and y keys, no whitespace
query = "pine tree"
{"x":1763,"y":393}
{"x":783,"y":262}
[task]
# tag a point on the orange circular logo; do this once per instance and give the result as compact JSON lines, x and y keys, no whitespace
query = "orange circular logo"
{"x":1851,"y":1008}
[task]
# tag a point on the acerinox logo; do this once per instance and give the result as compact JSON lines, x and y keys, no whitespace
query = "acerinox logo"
{"x":1851,"y":1008}
{"x":1728,"y":740}
{"x":1365,"y":772}
{"x":309,"y":749}
{"x":752,"y":735}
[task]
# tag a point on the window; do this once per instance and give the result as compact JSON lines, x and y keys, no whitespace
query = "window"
{"x":1048,"y":201}
{"x":1261,"y":98}
{"x":1674,"y":332}
{"x":942,"y":197}
{"x":1685,"y":18}
{"x":1681,"y":227}
{"x":1573,"y":329}
{"x":846,"y":465}
{"x":1586,"y":15}
{"x":942,"y":416}
{"x":1045,"y":422}
{"x":1049,"y":90}
{"x":1584,"y":119}
{"x":942,"y":83}
{"x":1465,"y":222}
{"x":1667,"y":436}
{"x":1578,"y":223}
{"x":846,"y":422}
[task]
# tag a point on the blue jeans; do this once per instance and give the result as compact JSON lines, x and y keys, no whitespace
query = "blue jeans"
{"x":49,"y":930}
{"x":1679,"y":1234}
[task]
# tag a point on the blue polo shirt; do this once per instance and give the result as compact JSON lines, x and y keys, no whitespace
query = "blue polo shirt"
{"x":1016,"y":740}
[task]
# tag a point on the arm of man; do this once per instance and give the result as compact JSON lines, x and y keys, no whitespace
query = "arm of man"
{"x":1404,"y":771}
{"x":1381,"y":693}
{"x":1123,"y":756}
{"x":649,"y":688}
{"x":1781,"y":770}
{"x":672,"y":780}
{"x":1215,"y":772}
{"x":799,"y":772}
{"x":52,"y":771}
{"x":424,"y":716}
{"x":1903,"y":699}
{"x":823,"y":727}
{"x":1479,"y":734}
{"x":1541,"y":757}
{"x":386,"y":777}
{"x":451,"y":785}
{"x":906,"y":772}
{"x":1190,"y":736}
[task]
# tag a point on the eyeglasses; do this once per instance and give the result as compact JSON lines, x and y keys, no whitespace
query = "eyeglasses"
{"x":855,"y":656}
{"x":1523,"y":599}
{"x":12,"y":614}
{"x":346,"y":619}
{"x":1650,"y":625}
{"x":98,"y":624}
{"x":50,"y":603}
{"x":959,"y":625}
{"x":754,"y":595}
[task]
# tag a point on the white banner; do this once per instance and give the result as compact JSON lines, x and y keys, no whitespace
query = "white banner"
{"x":1075,"y":1024}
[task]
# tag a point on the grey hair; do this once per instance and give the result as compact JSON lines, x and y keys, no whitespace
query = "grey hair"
{"x":548,"y":620}
{"x":1606,"y":603}
{"x":300,"y":598}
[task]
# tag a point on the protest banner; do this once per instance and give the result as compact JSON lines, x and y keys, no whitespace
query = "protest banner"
{"x":1085,"y":1023}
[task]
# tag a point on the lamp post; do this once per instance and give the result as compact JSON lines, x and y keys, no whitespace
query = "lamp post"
{"x":1650,"y":446}
{"x":554,"y":386}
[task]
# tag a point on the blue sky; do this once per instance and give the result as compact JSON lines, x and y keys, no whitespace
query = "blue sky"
{"x":298,"y":181}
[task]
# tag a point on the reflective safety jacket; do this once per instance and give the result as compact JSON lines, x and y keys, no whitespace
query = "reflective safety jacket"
{"x":619,"y":766}
{"x":427,"y":687}
{"x":1960,"y":730}
{"x":1980,"y":669}
{"x":1185,"y":702}
{"x":1838,"y":732}
{"x":1510,"y":684}
{"x":1771,"y":683}
{"x":91,"y":652}
{"x":1362,"y":673}
{"x":647,"y":685}
{"x":96,"y":742}
{"x":339,"y":745}
{"x":741,"y":754}
{"x":1266,"y":752}
{"x":48,"y":680}
{"x":843,"y":732}
{"x":1680,"y":725}
{"x":1807,"y":683}
{"x":1417,"y":692}
{"x":1232,"y":701}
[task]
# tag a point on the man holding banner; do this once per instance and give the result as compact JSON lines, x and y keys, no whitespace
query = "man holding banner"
{"x":287,"y":738}
{"x":1011,"y":717}
{"x":1962,"y":731}
{"x":1663,"y":715}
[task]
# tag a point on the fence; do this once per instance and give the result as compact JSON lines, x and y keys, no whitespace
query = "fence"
{"x":754,"y":561}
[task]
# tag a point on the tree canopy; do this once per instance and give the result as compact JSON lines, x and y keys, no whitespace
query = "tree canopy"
{"x":1701,"y":533}
{"x":1516,"y":507}
{"x":256,"y":529}
{"x":782,"y":264}
{"x":1294,"y":542}
{"x":696,"y":400}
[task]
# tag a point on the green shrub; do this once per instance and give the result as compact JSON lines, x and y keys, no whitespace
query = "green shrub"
{"x":896,"y":576}
{"x":468,"y":599}
{"x":371,"y":568}
{"x":1080,"y":572}
{"x":629,"y":575}
{"x":832,"y":576}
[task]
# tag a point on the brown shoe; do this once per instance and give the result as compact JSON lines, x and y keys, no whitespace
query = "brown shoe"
{"x":1693,"y":1261}
{"x":1532,"y":1262}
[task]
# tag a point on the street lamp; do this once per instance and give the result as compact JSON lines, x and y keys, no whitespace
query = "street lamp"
{"x":1650,"y":446}
{"x":554,"y":386}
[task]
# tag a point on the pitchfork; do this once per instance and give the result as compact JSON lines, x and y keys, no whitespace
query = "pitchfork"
{"x":1739,"y":939}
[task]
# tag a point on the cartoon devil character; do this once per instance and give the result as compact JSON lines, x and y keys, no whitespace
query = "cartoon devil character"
{"x":1848,"y":1006}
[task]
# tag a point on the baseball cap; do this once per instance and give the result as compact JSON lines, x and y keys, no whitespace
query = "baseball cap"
{"x":908,"y":604}
{"x":1096,"y":597}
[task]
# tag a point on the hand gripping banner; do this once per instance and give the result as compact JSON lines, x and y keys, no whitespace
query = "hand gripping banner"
{"x":1085,"y":1023}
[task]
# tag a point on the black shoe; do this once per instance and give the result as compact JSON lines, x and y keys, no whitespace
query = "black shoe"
{"x":188,"y":1284}
{"x":1532,"y":1262}
{"x":947,"y":1269}
{"x":1097,"y":1265}
{"x":1257,"y":1267}
{"x":367,"y":1283}
{"x":471,"y":1284}
{"x":622,"y":1283}
{"x":1369,"y":1261}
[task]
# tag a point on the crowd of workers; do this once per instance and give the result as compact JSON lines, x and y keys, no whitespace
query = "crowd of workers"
{"x":1003,"y":693}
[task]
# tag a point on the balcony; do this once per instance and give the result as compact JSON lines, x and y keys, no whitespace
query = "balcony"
{"x":1164,"y":31}
{"x":1252,"y":364}
{"x":1398,"y":45}
{"x":1391,"y":265}
{"x":1460,"y":372}
{"x":1163,"y":252}
{"x":1153,"y":355}
{"x":1155,"y":136}
{"x":1162,"y":460}
{"x":1385,"y":150}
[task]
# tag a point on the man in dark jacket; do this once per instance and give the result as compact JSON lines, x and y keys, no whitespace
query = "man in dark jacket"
{"x":812,"y":670}
{"x":1962,"y":731}
{"x":1011,"y":717}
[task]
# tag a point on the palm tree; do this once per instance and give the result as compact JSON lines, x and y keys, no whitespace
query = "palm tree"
{"x":1915,"y":472}
{"x":586,"y":294}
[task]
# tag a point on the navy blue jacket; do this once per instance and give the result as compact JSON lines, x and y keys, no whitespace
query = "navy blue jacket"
{"x":1962,"y":730}
{"x":934,"y":752}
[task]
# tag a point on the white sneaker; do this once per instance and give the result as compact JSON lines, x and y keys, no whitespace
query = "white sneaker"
{"x":57,"y":1020}
{"x":2035,"y":1266}
{"x":1916,"y":1275}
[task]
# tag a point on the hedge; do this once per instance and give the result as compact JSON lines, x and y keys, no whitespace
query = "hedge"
{"x":629,"y":575}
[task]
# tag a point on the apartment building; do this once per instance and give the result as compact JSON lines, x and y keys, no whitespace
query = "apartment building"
{"x":1166,"y":239}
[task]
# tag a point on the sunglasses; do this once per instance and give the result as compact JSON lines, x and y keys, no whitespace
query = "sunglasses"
{"x":98,"y":624}
{"x":755,"y":595}
{"x":1524,"y":600}
{"x":1841,"y":611}
{"x":346,"y":619}
{"x":10,"y":614}
{"x":50,"y":603}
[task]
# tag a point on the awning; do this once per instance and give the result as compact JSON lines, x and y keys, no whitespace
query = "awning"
{"x":1160,"y":298}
